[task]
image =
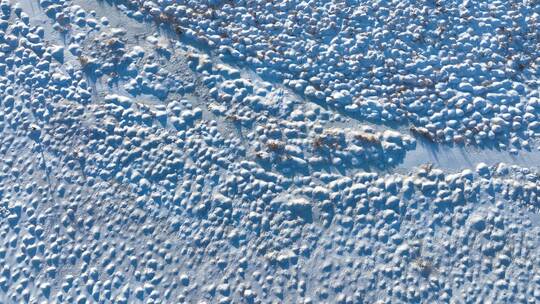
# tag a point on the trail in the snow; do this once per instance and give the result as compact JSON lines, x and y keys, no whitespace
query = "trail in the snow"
{"x":440,"y":155}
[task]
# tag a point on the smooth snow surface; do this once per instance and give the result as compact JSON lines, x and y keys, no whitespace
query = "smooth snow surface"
{"x":254,"y":151}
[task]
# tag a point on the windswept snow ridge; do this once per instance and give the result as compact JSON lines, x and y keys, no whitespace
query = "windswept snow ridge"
{"x":462,"y":72}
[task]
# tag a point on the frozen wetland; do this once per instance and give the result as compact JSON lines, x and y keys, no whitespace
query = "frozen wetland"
{"x":259,"y":151}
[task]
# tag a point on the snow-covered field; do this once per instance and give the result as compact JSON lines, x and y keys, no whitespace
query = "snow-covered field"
{"x":260,"y":151}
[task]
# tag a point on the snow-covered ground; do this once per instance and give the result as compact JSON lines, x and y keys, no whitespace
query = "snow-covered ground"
{"x":260,"y":151}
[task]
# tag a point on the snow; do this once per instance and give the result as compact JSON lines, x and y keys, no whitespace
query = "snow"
{"x":269,"y":152}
